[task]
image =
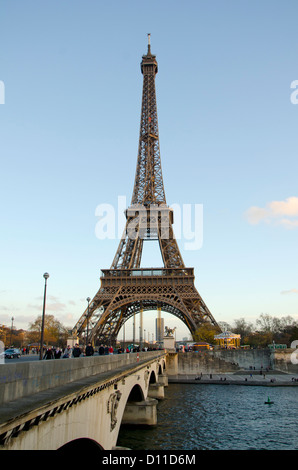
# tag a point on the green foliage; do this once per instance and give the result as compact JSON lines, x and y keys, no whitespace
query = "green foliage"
{"x":205,"y":333}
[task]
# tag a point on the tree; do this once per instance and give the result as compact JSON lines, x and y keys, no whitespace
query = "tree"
{"x":282,"y":329}
{"x":288,"y":322}
{"x":268,"y":324}
{"x":259,"y":340}
{"x":288,"y":328}
{"x":3,"y":333}
{"x":205,"y":333}
{"x":242,"y":328}
{"x":293,"y":335}
{"x":11,"y":337}
{"x":54,"y":332}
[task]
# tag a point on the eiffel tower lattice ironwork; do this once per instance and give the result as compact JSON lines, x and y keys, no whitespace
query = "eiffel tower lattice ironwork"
{"x":126,"y":288}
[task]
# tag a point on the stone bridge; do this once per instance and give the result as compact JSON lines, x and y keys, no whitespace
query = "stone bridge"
{"x":78,"y":403}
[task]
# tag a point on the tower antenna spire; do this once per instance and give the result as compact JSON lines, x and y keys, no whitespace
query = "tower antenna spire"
{"x":149,"y":44}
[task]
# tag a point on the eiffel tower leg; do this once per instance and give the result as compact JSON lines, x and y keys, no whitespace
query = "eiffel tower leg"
{"x":169,"y":248}
{"x":129,"y":251}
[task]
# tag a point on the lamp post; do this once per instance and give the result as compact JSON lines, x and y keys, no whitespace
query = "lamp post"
{"x":12,"y":319}
{"x":88,"y":300}
{"x":46,"y":276}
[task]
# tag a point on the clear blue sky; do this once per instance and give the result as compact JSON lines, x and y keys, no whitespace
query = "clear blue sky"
{"x":69,"y":139}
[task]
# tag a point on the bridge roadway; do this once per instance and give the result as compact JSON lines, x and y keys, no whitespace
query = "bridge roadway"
{"x":48,"y":405}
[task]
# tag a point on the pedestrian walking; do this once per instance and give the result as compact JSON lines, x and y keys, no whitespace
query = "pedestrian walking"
{"x":49,"y":354}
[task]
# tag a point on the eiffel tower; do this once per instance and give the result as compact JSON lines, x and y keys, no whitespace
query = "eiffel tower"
{"x":126,"y":288}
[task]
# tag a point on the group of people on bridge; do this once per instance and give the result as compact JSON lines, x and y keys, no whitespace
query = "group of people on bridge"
{"x":77,"y":351}
{"x":68,"y":352}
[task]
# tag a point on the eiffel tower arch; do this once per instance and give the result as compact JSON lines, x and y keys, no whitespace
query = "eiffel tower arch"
{"x":126,"y":288}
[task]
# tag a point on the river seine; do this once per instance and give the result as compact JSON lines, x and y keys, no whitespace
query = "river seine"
{"x":220,"y":417}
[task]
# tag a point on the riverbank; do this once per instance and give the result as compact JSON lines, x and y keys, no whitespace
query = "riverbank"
{"x":267,"y":379}
{"x":232,"y":361}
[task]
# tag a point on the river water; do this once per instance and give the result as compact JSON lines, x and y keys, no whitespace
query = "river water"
{"x":220,"y":417}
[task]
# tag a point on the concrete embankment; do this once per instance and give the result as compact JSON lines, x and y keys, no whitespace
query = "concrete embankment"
{"x":231,"y":365}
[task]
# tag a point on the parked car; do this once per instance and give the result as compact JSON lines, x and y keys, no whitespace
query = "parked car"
{"x":11,"y":353}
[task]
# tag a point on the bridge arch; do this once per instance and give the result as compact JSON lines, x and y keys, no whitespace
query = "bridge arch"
{"x":125,"y":307}
{"x":81,"y":444}
{"x":136,"y":394}
{"x":170,"y":304}
{"x":152,"y":378}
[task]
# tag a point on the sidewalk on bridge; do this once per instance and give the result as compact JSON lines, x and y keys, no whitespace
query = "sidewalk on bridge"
{"x":269,"y":379}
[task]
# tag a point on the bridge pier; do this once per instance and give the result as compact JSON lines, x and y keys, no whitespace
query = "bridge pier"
{"x":163,"y":380}
{"x":156,"y":391}
{"x":141,"y":413}
{"x":172,"y":364}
